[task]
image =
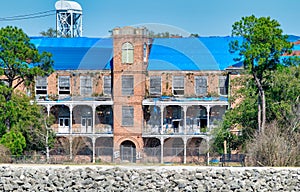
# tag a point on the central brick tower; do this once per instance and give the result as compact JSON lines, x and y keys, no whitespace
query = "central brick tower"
{"x":131,"y":48}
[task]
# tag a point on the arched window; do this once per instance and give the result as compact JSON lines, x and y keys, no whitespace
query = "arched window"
{"x":127,"y":53}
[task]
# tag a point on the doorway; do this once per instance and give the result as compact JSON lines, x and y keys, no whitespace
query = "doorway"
{"x":128,"y":152}
{"x":86,"y":124}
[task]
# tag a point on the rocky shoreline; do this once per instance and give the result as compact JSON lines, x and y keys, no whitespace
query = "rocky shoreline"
{"x":146,"y":178}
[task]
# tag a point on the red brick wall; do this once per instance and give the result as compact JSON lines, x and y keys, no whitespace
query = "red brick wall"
{"x":189,"y":89}
{"x":138,"y":70}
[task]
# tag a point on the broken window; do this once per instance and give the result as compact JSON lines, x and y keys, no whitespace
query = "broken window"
{"x":223,"y":85}
{"x":85,"y":85}
{"x":41,"y":85}
{"x":127,"y":85}
{"x":64,"y":85}
{"x":127,"y":53}
{"x":127,"y":116}
{"x":178,"y":85}
{"x":155,"y":85}
{"x":107,"y":85}
{"x":200,"y":85}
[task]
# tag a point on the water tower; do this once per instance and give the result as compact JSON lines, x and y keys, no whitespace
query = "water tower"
{"x":68,"y":19}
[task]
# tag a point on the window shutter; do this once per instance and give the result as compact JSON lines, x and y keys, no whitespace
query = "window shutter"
{"x":127,"y":85}
{"x":127,"y":115}
{"x":85,"y":85}
{"x":223,"y":85}
{"x":41,"y":85}
{"x":178,"y":82}
{"x":41,"y":82}
{"x":64,"y":81}
{"x":178,"y":85}
{"x":155,"y":85}
{"x":201,"y":85}
{"x":64,"y":84}
{"x":107,"y":85}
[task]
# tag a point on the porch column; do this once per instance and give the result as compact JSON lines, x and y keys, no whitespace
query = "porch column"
{"x":207,"y":140}
{"x":94,"y":117}
{"x":208,"y":117}
{"x":184,"y":117}
{"x":71,"y":148}
{"x":94,"y":149}
{"x":184,"y":149}
{"x":162,"y":118}
{"x":48,"y":110}
{"x":71,"y":119}
{"x":161,"y":150}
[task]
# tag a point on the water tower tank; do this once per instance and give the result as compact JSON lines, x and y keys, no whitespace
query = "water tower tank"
{"x":68,"y":19}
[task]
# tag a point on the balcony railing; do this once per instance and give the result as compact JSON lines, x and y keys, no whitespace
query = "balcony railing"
{"x":169,"y":129}
{"x":98,"y":129}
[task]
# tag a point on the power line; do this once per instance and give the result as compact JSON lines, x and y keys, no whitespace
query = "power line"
{"x":28,"y":16}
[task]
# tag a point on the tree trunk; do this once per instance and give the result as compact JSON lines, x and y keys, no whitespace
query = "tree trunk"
{"x":261,"y":105}
{"x":47,"y":146}
{"x":259,"y":113}
{"x":264,"y":112}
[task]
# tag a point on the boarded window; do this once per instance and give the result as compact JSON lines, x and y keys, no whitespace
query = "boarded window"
{"x":127,"y":53}
{"x":223,"y":85}
{"x":178,"y":85}
{"x":86,"y":85}
{"x":107,"y":85}
{"x":200,"y":85}
{"x":41,"y":85}
{"x":127,"y":116}
{"x":155,"y":85}
{"x":63,"y":85}
{"x":127,"y":85}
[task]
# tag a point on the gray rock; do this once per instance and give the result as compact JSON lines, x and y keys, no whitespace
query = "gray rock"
{"x":154,"y":179}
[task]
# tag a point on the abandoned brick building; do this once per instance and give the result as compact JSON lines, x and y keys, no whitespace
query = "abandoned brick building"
{"x":134,"y":98}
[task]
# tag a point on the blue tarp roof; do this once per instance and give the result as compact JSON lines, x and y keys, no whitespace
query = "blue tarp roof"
{"x":77,"y":53}
{"x":204,"y":53}
{"x":293,"y":38}
{"x":188,"y":54}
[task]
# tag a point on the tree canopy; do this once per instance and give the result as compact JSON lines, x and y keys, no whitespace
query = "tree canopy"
{"x":49,"y":33}
{"x":268,"y":92}
{"x":261,"y":50}
{"x":22,"y":124}
{"x":20,"y":62}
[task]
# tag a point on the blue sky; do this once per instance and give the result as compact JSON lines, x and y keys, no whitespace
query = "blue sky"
{"x":207,"y":18}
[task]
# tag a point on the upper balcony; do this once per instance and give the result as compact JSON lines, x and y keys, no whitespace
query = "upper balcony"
{"x":80,"y":115}
{"x":182,"y":116}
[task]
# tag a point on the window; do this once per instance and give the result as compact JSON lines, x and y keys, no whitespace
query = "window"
{"x":63,"y":85}
{"x":200,"y":85}
{"x":127,"y":116}
{"x":86,"y":85}
{"x":127,"y":53}
{"x":155,"y":85}
{"x":178,"y":85}
{"x":223,"y":85}
{"x":64,"y":122}
{"x":145,"y":52}
{"x":41,"y":85}
{"x":86,"y":122}
{"x":127,"y":85}
{"x":107,"y":85}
